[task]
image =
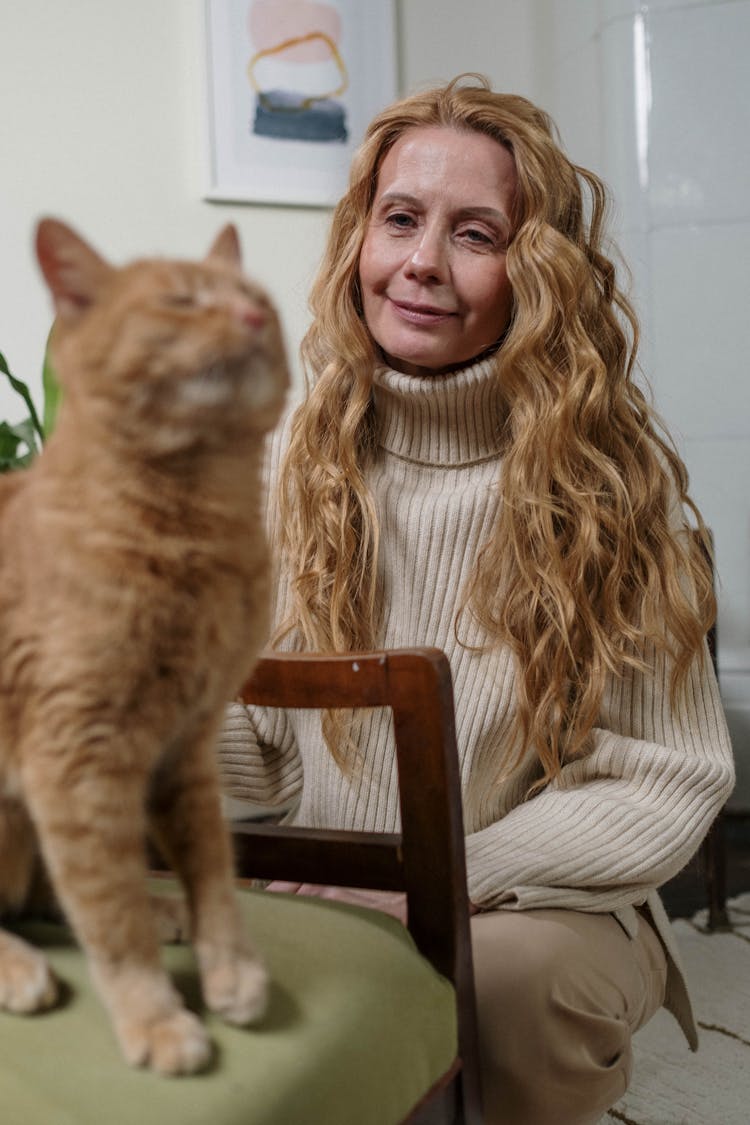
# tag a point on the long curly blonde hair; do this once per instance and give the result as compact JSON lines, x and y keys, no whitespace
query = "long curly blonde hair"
{"x":584,"y":571}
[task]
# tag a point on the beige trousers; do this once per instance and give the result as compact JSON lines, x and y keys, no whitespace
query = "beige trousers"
{"x":560,"y":994}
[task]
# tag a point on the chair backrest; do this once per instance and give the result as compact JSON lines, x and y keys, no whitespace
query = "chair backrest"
{"x":712,"y":639}
{"x":713,"y":850}
{"x":427,"y":858}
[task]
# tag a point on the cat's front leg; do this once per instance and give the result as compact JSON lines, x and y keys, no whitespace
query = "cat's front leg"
{"x":26,"y":981}
{"x":93,"y":844}
{"x":190,"y":828}
{"x":235,"y":981}
{"x":152,"y":1025}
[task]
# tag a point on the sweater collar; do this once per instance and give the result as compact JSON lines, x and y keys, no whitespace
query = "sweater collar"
{"x":452,"y":419}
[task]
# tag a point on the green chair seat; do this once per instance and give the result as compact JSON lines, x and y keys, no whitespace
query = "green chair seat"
{"x":359,"y":1026}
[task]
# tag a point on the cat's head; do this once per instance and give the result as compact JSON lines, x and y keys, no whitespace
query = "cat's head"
{"x":169,"y":355}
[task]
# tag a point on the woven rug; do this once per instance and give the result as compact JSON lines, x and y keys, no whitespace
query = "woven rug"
{"x":673,"y":1086}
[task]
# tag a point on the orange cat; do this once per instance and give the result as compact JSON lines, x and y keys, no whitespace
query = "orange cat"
{"x":133,"y":601}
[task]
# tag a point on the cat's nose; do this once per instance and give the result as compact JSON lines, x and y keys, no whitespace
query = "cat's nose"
{"x":252,"y":315}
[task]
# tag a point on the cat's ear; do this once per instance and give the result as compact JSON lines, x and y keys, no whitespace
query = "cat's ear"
{"x":226,"y":247}
{"x":73,"y":270}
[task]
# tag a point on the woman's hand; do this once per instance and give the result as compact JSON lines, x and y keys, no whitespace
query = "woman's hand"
{"x":389,"y":902}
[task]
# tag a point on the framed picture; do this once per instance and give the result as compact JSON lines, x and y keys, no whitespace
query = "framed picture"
{"x":290,"y":88}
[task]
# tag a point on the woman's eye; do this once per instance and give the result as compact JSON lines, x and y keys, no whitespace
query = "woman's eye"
{"x":400,"y":220}
{"x":480,"y":237}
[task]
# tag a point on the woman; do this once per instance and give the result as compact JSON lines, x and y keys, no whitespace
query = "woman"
{"x":473,"y":467}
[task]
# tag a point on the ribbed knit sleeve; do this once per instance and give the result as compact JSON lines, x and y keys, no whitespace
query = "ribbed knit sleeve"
{"x":259,"y":763}
{"x":625,"y":818}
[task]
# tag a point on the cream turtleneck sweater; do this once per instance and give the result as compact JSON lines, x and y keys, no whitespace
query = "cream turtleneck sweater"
{"x":614,"y":825}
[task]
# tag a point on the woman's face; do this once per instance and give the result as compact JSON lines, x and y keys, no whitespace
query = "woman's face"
{"x":432,"y":270}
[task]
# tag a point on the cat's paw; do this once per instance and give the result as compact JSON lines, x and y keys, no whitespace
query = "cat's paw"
{"x":26,"y":980}
{"x":237,"y":989}
{"x":172,"y":1044}
{"x":171,"y":917}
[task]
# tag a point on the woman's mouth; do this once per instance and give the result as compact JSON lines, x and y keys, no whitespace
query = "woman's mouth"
{"x":421,"y":314}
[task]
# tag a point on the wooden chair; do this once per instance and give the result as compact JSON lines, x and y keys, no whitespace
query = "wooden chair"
{"x":366,"y":1023}
{"x":426,"y":859}
{"x":713,"y":851}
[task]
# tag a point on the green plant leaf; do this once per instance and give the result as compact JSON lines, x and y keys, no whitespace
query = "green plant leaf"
{"x":8,"y":442}
{"x":52,"y":391}
{"x":21,"y":389}
{"x":21,"y":436}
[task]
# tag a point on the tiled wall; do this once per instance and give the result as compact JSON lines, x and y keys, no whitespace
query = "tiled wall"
{"x":660,"y":93}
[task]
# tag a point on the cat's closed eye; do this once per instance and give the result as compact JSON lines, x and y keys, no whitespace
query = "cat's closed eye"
{"x":178,"y":300}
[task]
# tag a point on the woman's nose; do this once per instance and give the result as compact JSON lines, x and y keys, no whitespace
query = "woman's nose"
{"x":428,"y":259}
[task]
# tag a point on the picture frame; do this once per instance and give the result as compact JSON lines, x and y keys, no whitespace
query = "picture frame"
{"x":290,"y":88}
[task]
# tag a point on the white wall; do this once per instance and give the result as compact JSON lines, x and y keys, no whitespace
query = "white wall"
{"x":101,"y":123}
{"x":664,"y":89}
